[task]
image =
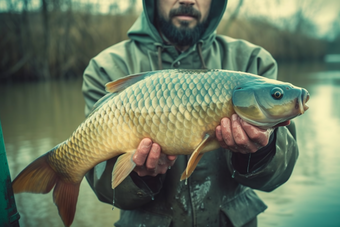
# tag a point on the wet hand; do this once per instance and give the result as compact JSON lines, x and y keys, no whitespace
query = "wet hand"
{"x":239,"y":136}
{"x":149,"y":159}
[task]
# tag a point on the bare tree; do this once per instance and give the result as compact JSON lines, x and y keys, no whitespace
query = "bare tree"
{"x":232,"y":17}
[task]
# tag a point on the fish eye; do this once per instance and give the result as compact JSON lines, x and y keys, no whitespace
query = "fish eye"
{"x":277,"y":93}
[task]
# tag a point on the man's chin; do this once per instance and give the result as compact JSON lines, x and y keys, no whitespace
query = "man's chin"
{"x":181,"y":24}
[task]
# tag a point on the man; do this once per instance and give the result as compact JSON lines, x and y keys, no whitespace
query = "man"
{"x":181,"y":34}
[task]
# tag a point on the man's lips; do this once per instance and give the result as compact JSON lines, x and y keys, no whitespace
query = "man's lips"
{"x":185,"y":17}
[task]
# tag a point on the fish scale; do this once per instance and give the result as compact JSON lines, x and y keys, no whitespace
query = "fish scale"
{"x":166,"y":126}
{"x":178,"y":109}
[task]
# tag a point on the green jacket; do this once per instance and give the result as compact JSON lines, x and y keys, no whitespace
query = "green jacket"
{"x":219,"y":192}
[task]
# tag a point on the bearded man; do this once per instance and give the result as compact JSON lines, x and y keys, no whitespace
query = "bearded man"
{"x":181,"y":34}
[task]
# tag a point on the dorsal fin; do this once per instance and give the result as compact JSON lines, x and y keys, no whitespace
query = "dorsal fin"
{"x":122,"y":83}
{"x":101,"y":102}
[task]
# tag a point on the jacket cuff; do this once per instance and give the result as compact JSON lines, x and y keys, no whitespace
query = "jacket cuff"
{"x":136,"y":191}
{"x":247,"y":163}
{"x":150,"y":185}
{"x":275,"y":171}
{"x":132,"y":192}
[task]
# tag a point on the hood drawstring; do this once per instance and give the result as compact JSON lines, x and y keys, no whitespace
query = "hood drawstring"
{"x":159,"y":50}
{"x":199,"y":49}
{"x":159,"y":55}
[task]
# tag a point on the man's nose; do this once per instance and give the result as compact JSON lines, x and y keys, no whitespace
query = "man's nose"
{"x":187,"y":2}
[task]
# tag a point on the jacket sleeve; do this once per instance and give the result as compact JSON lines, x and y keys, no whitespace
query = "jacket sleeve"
{"x":134,"y":191}
{"x":96,"y":75}
{"x":275,"y":166}
{"x":272,"y":165}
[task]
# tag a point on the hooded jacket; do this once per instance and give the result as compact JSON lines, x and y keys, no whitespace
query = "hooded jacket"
{"x":219,"y":192}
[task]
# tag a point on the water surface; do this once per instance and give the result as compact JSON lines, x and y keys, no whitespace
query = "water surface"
{"x":311,"y":196}
{"x":37,"y":116}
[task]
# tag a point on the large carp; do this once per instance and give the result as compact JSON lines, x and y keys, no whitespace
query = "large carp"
{"x":178,"y":109}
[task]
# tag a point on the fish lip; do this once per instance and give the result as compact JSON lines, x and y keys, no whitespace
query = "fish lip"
{"x":302,"y":100}
{"x":283,"y":123}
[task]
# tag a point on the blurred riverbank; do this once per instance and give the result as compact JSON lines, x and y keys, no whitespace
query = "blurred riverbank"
{"x":58,"y":40}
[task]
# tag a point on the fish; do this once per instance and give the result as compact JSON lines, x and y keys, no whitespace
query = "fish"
{"x":178,"y":109}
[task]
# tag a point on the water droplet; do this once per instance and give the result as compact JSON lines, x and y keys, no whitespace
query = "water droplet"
{"x":113,"y":196}
{"x":186,"y":181}
{"x":202,"y":206}
{"x":233,"y":175}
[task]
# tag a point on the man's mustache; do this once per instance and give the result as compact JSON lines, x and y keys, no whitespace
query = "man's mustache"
{"x":185,"y":10}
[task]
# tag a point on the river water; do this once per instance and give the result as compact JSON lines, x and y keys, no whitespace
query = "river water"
{"x":37,"y":116}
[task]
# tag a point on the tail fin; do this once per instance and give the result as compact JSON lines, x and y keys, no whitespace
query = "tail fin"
{"x":65,"y":197}
{"x":39,"y":177}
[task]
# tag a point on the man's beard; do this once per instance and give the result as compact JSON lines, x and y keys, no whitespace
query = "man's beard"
{"x":183,"y":35}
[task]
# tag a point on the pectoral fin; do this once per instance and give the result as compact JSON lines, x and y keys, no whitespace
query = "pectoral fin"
{"x":195,"y":158}
{"x":186,"y":175}
{"x":122,"y":168}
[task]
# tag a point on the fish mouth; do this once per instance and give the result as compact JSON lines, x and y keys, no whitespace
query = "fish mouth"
{"x":300,"y":105}
{"x":302,"y":100}
{"x":285,"y":123}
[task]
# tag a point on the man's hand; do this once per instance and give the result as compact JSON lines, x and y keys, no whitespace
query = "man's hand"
{"x":149,"y":159}
{"x":237,"y":135}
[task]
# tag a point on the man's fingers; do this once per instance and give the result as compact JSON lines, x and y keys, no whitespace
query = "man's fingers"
{"x":172,"y":158}
{"x":224,"y":134}
{"x":152,"y":159}
{"x":149,"y":159}
{"x":227,"y":132}
{"x":142,"y":152}
{"x":165,"y":162}
{"x":219,"y":137}
{"x":257,"y":135}
{"x":243,"y":143}
{"x":240,"y":136}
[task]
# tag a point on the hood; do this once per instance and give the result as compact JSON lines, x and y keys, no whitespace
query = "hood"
{"x":144,"y":31}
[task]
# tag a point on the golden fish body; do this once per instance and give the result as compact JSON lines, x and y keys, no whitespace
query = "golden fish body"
{"x":175,"y":109}
{"x":178,"y":109}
